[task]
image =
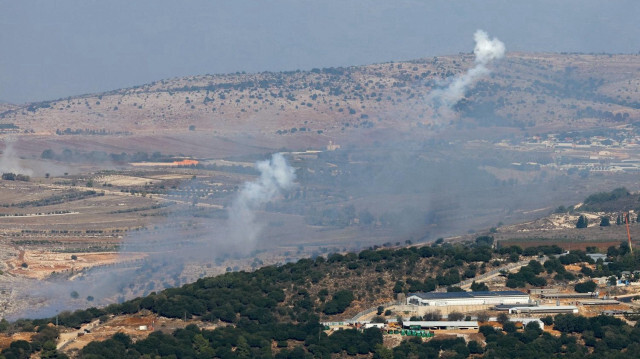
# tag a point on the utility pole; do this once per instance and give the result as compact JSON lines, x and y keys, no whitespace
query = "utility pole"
{"x":626,"y":221}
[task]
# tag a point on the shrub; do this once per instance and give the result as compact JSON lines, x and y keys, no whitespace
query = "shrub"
{"x":585,"y":287}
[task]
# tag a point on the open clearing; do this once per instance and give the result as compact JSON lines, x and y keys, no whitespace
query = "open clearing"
{"x":41,"y":264}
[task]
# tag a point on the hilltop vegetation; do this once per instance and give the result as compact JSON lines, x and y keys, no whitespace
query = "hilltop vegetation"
{"x":283,"y":304}
{"x":525,"y":91}
{"x":604,"y":337}
{"x":275,"y":311}
{"x":620,"y":199}
{"x":320,"y":287}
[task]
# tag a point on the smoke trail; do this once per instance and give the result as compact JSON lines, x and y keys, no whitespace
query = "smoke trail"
{"x":485,"y":51}
{"x":275,"y":176}
{"x":166,"y":256}
{"x":10,"y":162}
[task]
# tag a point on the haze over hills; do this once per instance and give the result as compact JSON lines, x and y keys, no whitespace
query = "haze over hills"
{"x":541,"y":130}
{"x":75,"y":49}
{"x":177,"y":188}
{"x":122,"y":194}
{"x":538,"y":131}
{"x":535,"y":92}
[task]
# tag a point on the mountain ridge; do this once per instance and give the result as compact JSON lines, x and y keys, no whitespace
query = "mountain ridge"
{"x":536,"y":92}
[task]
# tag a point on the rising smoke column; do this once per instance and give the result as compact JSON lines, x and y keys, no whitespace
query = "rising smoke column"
{"x":9,"y":160}
{"x":486,"y":50}
{"x":275,"y":176}
{"x":106,"y":284}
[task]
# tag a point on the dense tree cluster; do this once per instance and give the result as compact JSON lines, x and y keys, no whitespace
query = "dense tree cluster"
{"x":585,"y":287}
{"x":43,"y":343}
{"x":479,"y":287}
{"x":10,"y":176}
{"x":275,"y":311}
{"x":239,"y":342}
{"x":527,"y":275}
{"x":620,"y":199}
{"x":601,"y":197}
{"x":339,"y":303}
{"x":283,"y":303}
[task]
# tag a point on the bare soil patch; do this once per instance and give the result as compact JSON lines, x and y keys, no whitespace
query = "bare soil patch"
{"x":42,"y":264}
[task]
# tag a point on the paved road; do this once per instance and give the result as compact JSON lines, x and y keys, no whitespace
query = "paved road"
{"x":466,"y":284}
{"x":66,"y":337}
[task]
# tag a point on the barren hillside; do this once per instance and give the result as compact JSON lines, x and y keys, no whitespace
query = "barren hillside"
{"x":533,"y":91}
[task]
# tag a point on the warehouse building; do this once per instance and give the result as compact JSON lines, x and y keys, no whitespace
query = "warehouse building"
{"x":468,"y":298}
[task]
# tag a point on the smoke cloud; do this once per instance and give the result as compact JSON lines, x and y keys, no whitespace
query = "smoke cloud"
{"x":275,"y":176}
{"x":485,"y":51}
{"x":10,"y":162}
{"x":167,"y":253}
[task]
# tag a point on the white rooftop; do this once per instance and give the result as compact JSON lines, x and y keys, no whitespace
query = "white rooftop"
{"x":444,"y":323}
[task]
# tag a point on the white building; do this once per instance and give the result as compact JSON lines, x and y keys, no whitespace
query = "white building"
{"x":596,"y":256}
{"x":374,"y":325}
{"x":545,"y":309}
{"x":468,"y":298}
{"x":441,"y":325}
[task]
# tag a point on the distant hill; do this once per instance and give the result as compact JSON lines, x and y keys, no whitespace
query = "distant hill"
{"x":536,"y":92}
{"x":5,"y":106}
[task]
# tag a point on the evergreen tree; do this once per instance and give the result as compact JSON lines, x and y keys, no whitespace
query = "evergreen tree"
{"x":583,"y":222}
{"x":478,"y":287}
{"x":243,"y":350}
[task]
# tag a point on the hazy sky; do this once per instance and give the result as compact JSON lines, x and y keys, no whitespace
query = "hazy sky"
{"x":51,"y":49}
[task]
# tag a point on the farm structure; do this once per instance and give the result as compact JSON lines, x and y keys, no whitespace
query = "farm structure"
{"x":506,"y":307}
{"x":599,"y":302}
{"x":570,"y":295}
{"x":540,"y":291}
{"x":468,"y":298}
{"x":442,"y":325}
{"x":596,"y":256}
{"x":545,"y":309}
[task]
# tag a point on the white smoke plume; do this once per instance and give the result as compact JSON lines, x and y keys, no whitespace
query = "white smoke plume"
{"x":275,"y":176}
{"x":485,"y":51}
{"x":10,"y":162}
{"x":166,"y":259}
